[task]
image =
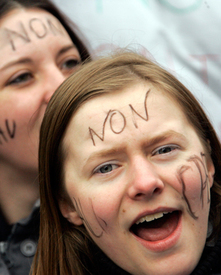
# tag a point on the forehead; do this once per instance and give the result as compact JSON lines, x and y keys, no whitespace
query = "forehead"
{"x":21,"y":26}
{"x":106,"y":118}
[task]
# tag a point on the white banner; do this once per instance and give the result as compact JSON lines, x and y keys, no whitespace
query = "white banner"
{"x":183,"y":36}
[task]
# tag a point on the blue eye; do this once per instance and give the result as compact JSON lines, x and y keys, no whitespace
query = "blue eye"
{"x":22,"y":78}
{"x":106,"y":168}
{"x":165,"y":150}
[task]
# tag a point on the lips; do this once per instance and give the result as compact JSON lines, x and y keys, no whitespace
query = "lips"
{"x":156,"y":227}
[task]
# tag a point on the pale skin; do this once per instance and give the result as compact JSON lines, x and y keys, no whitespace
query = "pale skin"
{"x":160,"y":166}
{"x":36,"y":55}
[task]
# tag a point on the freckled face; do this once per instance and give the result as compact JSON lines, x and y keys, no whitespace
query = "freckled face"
{"x":138,"y":176}
{"x":36,"y":55}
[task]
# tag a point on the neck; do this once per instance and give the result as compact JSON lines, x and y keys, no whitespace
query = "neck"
{"x":18,"y":193}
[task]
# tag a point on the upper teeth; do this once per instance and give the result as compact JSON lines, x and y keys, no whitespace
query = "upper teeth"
{"x":149,"y":218}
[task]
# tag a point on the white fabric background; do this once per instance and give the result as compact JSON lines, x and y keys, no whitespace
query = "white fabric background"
{"x":184,"y":36}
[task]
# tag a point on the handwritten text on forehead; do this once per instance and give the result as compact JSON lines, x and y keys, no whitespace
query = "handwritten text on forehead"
{"x":36,"y":26}
{"x":121,"y":117}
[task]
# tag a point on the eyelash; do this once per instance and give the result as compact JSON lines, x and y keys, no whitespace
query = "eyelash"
{"x":69,"y":64}
{"x":172,"y":147}
{"x":18,"y":79}
{"x":97,"y":170}
{"x":156,"y":152}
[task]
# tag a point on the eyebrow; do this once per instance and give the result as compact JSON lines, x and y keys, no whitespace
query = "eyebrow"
{"x":163,"y":136}
{"x":66,"y":49}
{"x":16,"y":62}
{"x":104,"y":154}
{"x":151,"y":142}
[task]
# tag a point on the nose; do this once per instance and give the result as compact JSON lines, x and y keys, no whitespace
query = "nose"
{"x":53,"y":80}
{"x":145,"y":181}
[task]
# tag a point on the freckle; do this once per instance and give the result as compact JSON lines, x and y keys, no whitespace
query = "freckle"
{"x":124,"y":211}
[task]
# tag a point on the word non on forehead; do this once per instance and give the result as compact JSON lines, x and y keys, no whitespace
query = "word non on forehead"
{"x":119,"y":129}
{"x":40,"y":28}
{"x":8,"y":132}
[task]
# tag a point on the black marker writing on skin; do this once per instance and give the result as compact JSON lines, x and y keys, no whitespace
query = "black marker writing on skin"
{"x":203,"y":180}
{"x":145,"y":110}
{"x":22,"y":34}
{"x":35,"y":26}
{"x":203,"y":175}
{"x":100,"y":221}
{"x":119,"y":129}
{"x":9,"y":131}
{"x":35,"y":23}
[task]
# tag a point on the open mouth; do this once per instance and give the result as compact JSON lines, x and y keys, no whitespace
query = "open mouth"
{"x":156,"y":227}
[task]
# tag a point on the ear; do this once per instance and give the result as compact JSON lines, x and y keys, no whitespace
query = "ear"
{"x":69,"y":212}
{"x":211,"y":171}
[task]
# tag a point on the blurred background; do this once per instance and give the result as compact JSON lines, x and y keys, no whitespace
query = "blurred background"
{"x":183,"y":36}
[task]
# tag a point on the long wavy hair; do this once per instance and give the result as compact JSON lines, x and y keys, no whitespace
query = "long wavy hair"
{"x":63,"y":247}
{"x":47,"y":5}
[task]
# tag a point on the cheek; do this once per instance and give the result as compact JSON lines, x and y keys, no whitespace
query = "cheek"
{"x":195,"y":186}
{"x":101,"y":207}
{"x":106,"y":205}
{"x":191,"y":185}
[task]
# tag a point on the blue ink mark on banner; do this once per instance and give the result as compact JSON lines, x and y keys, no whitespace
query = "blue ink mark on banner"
{"x":190,"y":8}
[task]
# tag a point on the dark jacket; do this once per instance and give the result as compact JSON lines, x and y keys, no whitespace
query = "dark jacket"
{"x":17,"y":251}
{"x":210,"y":263}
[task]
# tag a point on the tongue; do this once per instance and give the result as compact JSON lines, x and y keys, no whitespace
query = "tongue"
{"x":158,"y":229}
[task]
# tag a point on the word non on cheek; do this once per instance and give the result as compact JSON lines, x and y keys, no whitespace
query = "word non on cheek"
{"x":119,"y":127}
{"x":7,"y":132}
{"x":35,"y":26}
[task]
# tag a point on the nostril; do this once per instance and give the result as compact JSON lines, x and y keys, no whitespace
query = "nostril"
{"x":142,"y":186}
{"x":157,"y":191}
{"x":139,"y":195}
